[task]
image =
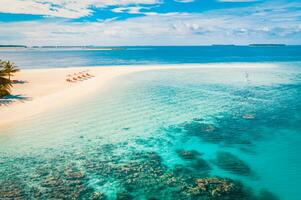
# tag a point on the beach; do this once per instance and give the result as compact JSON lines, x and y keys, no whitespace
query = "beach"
{"x":45,"y":89}
{"x":40,"y":90}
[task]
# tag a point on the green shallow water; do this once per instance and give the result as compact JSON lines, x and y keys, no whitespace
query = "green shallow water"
{"x":152,"y":135}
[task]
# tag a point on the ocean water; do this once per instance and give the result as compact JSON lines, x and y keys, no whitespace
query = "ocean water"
{"x":201,"y":133}
{"x":45,"y":58}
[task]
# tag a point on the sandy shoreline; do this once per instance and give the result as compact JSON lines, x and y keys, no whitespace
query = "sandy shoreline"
{"x":47,"y":89}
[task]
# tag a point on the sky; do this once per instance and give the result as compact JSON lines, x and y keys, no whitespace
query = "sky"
{"x":149,"y":22}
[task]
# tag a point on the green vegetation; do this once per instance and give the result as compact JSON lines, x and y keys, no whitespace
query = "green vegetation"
{"x":7,"y":70}
{"x":13,"y":46}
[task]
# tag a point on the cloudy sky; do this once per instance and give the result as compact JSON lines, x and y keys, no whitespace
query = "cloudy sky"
{"x":149,"y":22}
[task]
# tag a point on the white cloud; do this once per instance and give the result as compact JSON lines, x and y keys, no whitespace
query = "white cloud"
{"x":238,"y":26}
{"x":143,"y":11}
{"x":63,"y":8}
{"x":130,"y":10}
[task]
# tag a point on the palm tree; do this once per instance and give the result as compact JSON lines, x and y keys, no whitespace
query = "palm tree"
{"x":4,"y":90}
{"x":9,"y":68}
{"x":5,"y":84}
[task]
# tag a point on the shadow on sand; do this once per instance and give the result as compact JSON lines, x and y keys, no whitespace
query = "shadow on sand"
{"x":19,"y":82}
{"x":5,"y":101}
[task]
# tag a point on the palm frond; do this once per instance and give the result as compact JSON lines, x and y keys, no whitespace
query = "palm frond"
{"x":9,"y":68}
{"x":4,"y":91}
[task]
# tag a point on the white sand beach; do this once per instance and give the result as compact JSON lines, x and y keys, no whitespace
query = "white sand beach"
{"x":46,"y":89}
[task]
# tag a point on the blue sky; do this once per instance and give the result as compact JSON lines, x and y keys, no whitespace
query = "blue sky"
{"x":149,"y":22}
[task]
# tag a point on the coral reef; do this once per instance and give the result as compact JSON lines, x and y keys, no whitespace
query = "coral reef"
{"x":188,"y":155}
{"x":229,"y":162}
{"x":201,"y":164}
{"x":267,"y":195}
{"x":217,"y":188}
{"x":137,"y":175}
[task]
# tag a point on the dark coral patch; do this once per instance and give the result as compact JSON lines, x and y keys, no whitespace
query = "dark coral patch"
{"x":216,"y":188}
{"x":188,"y":155}
{"x":201,"y":165}
{"x":267,"y":195}
{"x":98,"y":196}
{"x":124,"y":196}
{"x":229,"y":162}
{"x":140,"y":175}
{"x":207,"y":132}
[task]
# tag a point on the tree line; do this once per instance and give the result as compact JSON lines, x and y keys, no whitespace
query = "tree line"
{"x":7,"y":70}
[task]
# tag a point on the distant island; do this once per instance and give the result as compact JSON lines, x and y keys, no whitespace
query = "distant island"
{"x":63,"y":47}
{"x":223,"y":45}
{"x":267,"y":45}
{"x":76,"y":47}
{"x":91,"y":47}
{"x":251,"y":45}
{"x":13,"y":46}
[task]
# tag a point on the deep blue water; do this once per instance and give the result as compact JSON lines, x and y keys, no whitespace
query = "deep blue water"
{"x":34,"y":58}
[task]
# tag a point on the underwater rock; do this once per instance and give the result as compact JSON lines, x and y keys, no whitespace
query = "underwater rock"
{"x":182,"y":171}
{"x":124,"y":196}
{"x":207,"y":132}
{"x":248,"y":116}
{"x":196,"y":127}
{"x":152,"y":198}
{"x":216,"y":188}
{"x":226,"y":129}
{"x":267,"y":195}
{"x":168,"y":179}
{"x":153,"y":158}
{"x":197,"y":119}
{"x":145,"y":173}
{"x":201,"y":165}
{"x":106,"y":148}
{"x":188,"y":155}
{"x":247,"y":149}
{"x":64,"y":182}
{"x":51,"y":182}
{"x":74,"y":175}
{"x":173,"y":129}
{"x":141,"y":171}
{"x":229,"y":162}
{"x":137,"y":173}
{"x":189,"y":173}
{"x":10,"y":193}
{"x":98,"y":196}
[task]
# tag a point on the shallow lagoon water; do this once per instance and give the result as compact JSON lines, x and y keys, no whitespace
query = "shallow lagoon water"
{"x":152,"y":135}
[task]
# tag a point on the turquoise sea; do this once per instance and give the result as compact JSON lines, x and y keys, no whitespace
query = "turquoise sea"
{"x":191,"y":133}
{"x":45,"y":58}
